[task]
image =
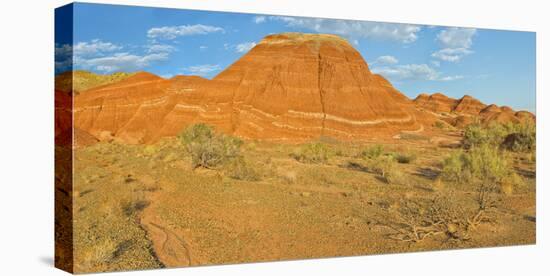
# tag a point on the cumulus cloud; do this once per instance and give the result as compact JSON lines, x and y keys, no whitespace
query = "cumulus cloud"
{"x":456,"y":37}
{"x":386,"y":60}
{"x":408,"y":72}
{"x":172,"y":32}
{"x":259,"y":19}
{"x":119,"y":62}
{"x":107,"y":57}
{"x":94,"y":47}
{"x":451,"y":78}
{"x":451,"y":54}
{"x":202,"y":70}
{"x":405,"y":33}
{"x":456,"y":44}
{"x":413,"y":72}
{"x":63,"y":57}
{"x":244,"y":47}
{"x":160,"y":48}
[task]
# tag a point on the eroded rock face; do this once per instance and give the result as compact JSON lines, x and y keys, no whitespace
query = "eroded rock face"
{"x":289,"y":87}
{"x":467,"y":110}
{"x":436,"y":102}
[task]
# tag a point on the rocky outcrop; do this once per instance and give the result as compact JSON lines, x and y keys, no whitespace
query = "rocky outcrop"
{"x":466,"y":110}
{"x":468,"y":105}
{"x":288,"y":87}
{"x":436,"y":102}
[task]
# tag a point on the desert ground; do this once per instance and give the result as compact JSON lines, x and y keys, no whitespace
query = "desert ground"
{"x":146,"y":206}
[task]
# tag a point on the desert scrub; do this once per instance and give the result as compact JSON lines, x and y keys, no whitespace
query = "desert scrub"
{"x":313,"y":153}
{"x":485,"y":162}
{"x":207,"y":148}
{"x":404,"y":158}
{"x":372,"y":152}
{"x":453,"y":167}
{"x":239,"y":169}
{"x":386,"y":167}
{"x":486,"y":166}
{"x":522,"y":139}
{"x":509,"y":136}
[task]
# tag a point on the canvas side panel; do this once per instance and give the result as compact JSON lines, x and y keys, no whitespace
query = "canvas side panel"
{"x":63,"y":138}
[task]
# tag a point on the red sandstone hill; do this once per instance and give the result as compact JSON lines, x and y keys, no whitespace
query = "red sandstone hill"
{"x":288,"y":87}
{"x":463,"y":111}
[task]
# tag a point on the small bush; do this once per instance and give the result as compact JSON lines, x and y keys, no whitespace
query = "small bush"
{"x":453,"y":167}
{"x":474,"y":135}
{"x":241,"y":170}
{"x":484,"y":163}
{"x":488,"y":163}
{"x":372,"y":152}
{"x":523,"y":139}
{"x":385,"y":167}
{"x":509,"y":136}
{"x":313,"y":153}
{"x":405,"y":158}
{"x":207,"y":148}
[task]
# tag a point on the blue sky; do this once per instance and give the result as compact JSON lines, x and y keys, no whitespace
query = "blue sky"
{"x":492,"y":65}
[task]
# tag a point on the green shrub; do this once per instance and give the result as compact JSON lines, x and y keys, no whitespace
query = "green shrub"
{"x":488,"y":163}
{"x":313,"y":153}
{"x":522,"y":139}
{"x":386,"y":168}
{"x":486,"y":166}
{"x":474,"y":134}
{"x":484,"y":163}
{"x":405,"y":158}
{"x":453,"y":167}
{"x":510,"y":136}
{"x":372,"y":152}
{"x":240,"y":169}
{"x":207,"y":148}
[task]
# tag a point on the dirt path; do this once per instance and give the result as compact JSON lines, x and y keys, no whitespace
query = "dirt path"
{"x":170,"y":248}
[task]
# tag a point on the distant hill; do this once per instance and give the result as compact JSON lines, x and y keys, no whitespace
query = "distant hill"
{"x":460,"y":112}
{"x":78,"y":80}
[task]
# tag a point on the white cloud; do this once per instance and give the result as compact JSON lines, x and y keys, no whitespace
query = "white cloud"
{"x":404,"y":33}
{"x":94,"y":47}
{"x":64,"y":50}
{"x":435,"y":63}
{"x":386,"y":60}
{"x":63,"y":57}
{"x":107,"y":57}
{"x":202,"y":70}
{"x":456,"y":44}
{"x":413,"y":72}
{"x":408,"y":72}
{"x":119,"y":62}
{"x":172,"y":32}
{"x":160,"y":48}
{"x":244,"y":47}
{"x":451,"y":78}
{"x":203,"y":47}
{"x":456,"y":37}
{"x":259,"y":19}
{"x":451,"y":54}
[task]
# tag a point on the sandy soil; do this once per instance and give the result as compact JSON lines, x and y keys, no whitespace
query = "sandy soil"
{"x":142,"y":206}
